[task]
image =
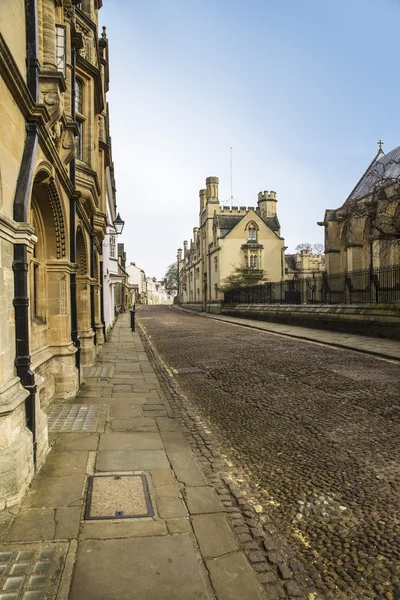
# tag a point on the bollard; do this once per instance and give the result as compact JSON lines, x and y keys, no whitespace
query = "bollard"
{"x":132,"y":319}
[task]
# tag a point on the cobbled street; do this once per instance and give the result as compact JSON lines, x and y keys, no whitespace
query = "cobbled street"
{"x":316,"y":430}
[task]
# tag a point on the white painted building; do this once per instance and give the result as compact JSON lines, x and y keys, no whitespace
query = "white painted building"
{"x":137,"y":277}
{"x":110,"y":254}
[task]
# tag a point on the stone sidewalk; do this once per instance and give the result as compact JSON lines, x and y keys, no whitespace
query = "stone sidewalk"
{"x":121,"y":508}
{"x":382,"y":347}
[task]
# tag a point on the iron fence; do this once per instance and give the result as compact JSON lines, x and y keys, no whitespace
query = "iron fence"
{"x":380,"y":286}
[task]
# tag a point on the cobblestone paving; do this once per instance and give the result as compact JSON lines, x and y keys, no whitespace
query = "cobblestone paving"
{"x":316,"y":429}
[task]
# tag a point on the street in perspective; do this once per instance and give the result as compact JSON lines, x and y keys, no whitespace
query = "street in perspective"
{"x":199,"y":300}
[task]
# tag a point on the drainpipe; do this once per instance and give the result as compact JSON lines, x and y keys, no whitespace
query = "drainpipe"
{"x":20,"y":210}
{"x":72,"y":228}
{"x":92,"y":315}
{"x":102,"y":300}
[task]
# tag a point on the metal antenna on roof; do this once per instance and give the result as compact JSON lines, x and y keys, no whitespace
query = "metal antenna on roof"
{"x":231,"y":179}
{"x":231,"y":199}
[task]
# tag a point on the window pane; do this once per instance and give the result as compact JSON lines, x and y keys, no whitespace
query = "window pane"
{"x":60,"y":48}
{"x":78,"y":96}
{"x":78,"y":141}
{"x":112,"y":245}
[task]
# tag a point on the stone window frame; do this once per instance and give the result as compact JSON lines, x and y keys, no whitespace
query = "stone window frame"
{"x":38,"y":279}
{"x":79,"y":118}
{"x":113,"y":244}
{"x":252,"y":231}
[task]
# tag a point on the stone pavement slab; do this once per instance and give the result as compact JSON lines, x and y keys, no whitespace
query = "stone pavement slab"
{"x":77,"y":441}
{"x":131,"y":441}
{"x":51,"y":492}
{"x":233,"y":578}
{"x":149,"y":568}
{"x":123,"y":529}
{"x":186,"y":468}
{"x":214,"y":535}
{"x":203,"y":499}
{"x":135,"y":460}
{"x":61,"y":463}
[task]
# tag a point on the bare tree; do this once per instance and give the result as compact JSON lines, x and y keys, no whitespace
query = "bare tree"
{"x":312,"y":248}
{"x":318,"y":249}
{"x":303,"y":246}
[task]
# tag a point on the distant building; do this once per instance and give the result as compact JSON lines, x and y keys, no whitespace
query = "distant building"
{"x":364,"y":232}
{"x":229,"y":238}
{"x":303,"y":264}
{"x":137,"y":279}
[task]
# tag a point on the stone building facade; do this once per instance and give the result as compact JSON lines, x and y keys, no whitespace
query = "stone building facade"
{"x":364,"y":233}
{"x":229,"y":238}
{"x":304,"y":264}
{"x":54,"y":154}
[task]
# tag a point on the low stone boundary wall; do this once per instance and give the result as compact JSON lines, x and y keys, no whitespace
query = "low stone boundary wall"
{"x":371,"y":320}
{"x":212,"y":307}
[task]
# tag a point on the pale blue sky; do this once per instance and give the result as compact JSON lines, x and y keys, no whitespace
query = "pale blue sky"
{"x":301,"y":89}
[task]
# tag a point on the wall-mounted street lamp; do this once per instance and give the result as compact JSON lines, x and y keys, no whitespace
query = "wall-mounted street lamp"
{"x":118,"y":224}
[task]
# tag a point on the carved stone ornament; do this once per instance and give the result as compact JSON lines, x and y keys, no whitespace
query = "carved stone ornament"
{"x":52,"y":102}
{"x":56,"y":133}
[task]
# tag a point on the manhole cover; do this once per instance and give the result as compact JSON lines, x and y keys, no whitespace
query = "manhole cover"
{"x":118,"y":497}
{"x":73,"y":417}
{"x":30,"y":571}
{"x":188,"y":370}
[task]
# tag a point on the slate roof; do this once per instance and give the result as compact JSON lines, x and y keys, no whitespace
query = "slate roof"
{"x":227,"y":222}
{"x":383,"y":168}
{"x":290,"y":260}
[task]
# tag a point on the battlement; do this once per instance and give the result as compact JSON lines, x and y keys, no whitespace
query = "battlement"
{"x":267,"y":196}
{"x":236,"y":210}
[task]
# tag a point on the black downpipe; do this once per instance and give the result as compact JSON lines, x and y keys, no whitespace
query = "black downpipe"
{"x":32,"y":61}
{"x":72,"y":227}
{"x":102,"y":301}
{"x":22,"y":356}
{"x":20,"y":213}
{"x":92,"y":315}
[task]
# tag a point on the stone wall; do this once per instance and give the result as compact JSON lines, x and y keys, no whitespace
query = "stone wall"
{"x":371,"y":320}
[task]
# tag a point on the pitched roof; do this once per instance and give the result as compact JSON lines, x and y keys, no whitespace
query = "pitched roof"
{"x":290,"y":260}
{"x":384,"y":168}
{"x":227,"y":222}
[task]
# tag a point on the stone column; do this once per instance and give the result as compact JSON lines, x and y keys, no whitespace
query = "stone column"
{"x":49,"y":35}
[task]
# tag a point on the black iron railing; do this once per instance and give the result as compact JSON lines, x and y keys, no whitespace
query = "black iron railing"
{"x":372,"y":286}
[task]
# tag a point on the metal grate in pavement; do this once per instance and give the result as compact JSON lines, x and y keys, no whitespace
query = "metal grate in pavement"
{"x":30,"y":571}
{"x":99,"y":370}
{"x":73,"y":417}
{"x":118,"y":497}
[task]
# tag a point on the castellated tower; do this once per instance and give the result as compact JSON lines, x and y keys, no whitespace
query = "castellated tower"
{"x":267,"y":204}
